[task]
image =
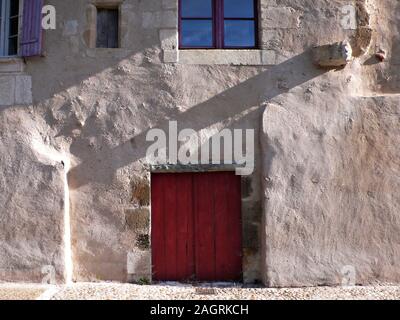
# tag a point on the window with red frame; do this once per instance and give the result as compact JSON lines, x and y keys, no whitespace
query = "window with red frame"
{"x":217,"y":24}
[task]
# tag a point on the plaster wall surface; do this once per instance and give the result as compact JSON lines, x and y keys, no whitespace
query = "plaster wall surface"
{"x":326,"y":166}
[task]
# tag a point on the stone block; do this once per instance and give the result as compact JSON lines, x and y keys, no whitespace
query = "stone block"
{"x":169,"y":19}
{"x":251,"y":235}
{"x":138,"y":220}
{"x":9,"y":65}
{"x":221,"y":57}
{"x":141,"y":192}
{"x":169,"y":4}
{"x":268,"y":57}
{"x":169,"y":39}
{"x":143,"y":241}
{"x":23,"y":89}
{"x":251,"y":211}
{"x":281,"y":17}
{"x":247,"y":188}
{"x":251,"y":263}
{"x":7,"y":90}
{"x":160,"y":19}
{"x":170,"y":56}
{"x":150,"y":20}
{"x":272,"y":39}
{"x":139,"y":265}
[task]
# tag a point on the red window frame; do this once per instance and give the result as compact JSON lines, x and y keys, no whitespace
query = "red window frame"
{"x":218,"y":30}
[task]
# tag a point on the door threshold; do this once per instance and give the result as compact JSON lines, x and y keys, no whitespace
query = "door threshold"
{"x":197,"y":284}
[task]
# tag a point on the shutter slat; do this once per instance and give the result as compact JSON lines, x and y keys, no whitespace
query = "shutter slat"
{"x":32,"y":34}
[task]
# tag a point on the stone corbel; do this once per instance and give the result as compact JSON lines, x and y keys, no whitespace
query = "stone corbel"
{"x":333,"y":55}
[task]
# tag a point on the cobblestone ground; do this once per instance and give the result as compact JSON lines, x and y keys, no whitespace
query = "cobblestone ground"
{"x":114,"y":291}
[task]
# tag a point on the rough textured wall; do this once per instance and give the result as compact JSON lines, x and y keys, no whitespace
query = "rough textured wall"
{"x":32,"y":182}
{"x":331,"y":170}
{"x":383,"y":78}
{"x":95,"y":106}
{"x":320,"y":143}
{"x":331,"y":181}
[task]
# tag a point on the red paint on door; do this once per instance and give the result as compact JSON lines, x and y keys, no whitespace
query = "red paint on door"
{"x":196,"y":227}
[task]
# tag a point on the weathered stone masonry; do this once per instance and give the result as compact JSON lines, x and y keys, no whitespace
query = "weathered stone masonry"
{"x":324,"y":191}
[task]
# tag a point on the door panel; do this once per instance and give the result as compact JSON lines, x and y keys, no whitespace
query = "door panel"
{"x":222,"y":227}
{"x":205,"y":224}
{"x":185,"y":229}
{"x":157,"y":231}
{"x":170,"y":225}
{"x":196,"y":227}
{"x":233,"y":219}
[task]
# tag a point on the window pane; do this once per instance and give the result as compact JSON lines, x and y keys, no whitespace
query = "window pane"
{"x":107,"y":28}
{"x":1,"y":21}
{"x":13,"y":26}
{"x":14,"y":8}
{"x":239,"y":8}
{"x":13,"y":46}
{"x":196,"y":8}
{"x":1,"y":30}
{"x":239,"y":33}
{"x":196,"y":33}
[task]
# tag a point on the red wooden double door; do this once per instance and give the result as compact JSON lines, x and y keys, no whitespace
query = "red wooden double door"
{"x":196,"y":227}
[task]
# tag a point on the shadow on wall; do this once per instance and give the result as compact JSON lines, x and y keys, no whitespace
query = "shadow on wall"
{"x":241,"y":99}
{"x":387,"y":39}
{"x":394,"y":79}
{"x":242,"y":102}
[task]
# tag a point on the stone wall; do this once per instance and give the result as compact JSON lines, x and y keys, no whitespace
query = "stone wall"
{"x":90,"y":109}
{"x":96,"y":106}
{"x":32,"y":197}
{"x":330,"y":171}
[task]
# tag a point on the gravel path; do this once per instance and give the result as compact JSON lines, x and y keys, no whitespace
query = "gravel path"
{"x":21,"y":291}
{"x":171,"y":291}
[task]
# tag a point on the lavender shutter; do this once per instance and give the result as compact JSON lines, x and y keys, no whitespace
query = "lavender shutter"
{"x":32,"y":37}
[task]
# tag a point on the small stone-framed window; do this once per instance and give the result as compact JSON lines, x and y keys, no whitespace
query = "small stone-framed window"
{"x":107,"y":28}
{"x":9,"y":27}
{"x":218,"y":24}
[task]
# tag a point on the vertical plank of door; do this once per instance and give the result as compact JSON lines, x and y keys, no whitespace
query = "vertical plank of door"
{"x":223,"y":234}
{"x":185,"y":232}
{"x":234,"y":224}
{"x":170,"y":225}
{"x":204,"y":228}
{"x":102,"y":34}
{"x":157,"y":230}
{"x":113,"y":26}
